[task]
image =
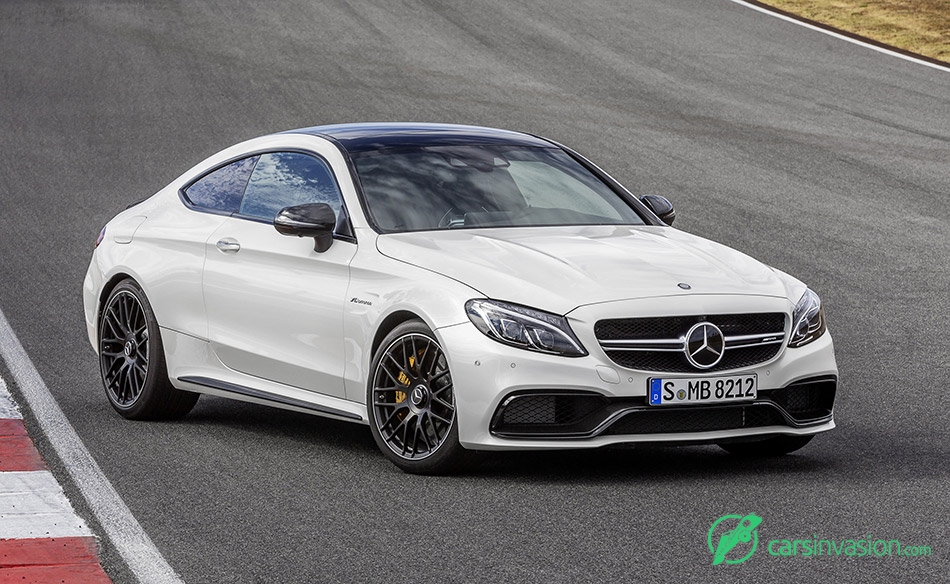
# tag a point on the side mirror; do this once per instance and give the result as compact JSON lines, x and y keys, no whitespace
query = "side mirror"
{"x":315,"y":220}
{"x":661,"y":207}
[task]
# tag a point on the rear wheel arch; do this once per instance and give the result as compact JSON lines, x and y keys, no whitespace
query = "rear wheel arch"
{"x":132,"y":358}
{"x":106,"y":291}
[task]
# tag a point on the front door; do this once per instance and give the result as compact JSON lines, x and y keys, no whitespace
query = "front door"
{"x":274,"y":305}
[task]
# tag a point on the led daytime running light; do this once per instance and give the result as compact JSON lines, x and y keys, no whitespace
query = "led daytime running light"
{"x":808,"y":320}
{"x":524,"y":327}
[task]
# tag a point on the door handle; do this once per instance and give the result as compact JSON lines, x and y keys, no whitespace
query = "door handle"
{"x":228,"y":245}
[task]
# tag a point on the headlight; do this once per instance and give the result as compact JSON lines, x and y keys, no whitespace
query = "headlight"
{"x":524,"y":327}
{"x":808,"y":320}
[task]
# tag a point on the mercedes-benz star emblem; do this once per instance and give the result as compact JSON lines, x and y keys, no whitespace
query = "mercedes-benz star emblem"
{"x":705,"y":345}
{"x":418,"y":395}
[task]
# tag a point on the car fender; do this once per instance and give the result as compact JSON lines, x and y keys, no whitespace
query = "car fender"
{"x":384,"y":292}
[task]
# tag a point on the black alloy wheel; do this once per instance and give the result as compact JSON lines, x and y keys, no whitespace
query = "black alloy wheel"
{"x":132,"y":359}
{"x":411,"y":403}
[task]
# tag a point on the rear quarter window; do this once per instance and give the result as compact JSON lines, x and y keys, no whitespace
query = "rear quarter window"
{"x":222,"y":189}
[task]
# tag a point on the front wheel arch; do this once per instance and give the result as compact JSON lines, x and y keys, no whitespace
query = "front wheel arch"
{"x":388,"y":324}
{"x":411,"y":404}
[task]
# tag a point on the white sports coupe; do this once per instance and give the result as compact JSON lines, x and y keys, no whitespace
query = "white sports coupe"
{"x":457,"y":289}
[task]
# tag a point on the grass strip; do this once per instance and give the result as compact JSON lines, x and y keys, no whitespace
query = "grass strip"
{"x":917,"y":26}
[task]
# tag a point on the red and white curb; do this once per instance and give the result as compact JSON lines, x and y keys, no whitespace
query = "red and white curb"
{"x":42,"y":540}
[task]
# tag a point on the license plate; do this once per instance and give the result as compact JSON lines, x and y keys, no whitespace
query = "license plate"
{"x":690,"y":390}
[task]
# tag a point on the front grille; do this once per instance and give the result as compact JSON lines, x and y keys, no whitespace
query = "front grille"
{"x":696,"y":419}
{"x":671,"y":327}
{"x":663,"y":361}
{"x":671,"y":332}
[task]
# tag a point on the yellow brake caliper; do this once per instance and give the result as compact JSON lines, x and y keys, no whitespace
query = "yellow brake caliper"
{"x":404,"y":380}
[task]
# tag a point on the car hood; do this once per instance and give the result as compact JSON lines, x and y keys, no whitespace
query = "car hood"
{"x":560,"y":268}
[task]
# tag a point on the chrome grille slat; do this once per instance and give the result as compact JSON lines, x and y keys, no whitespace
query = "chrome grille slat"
{"x":633,"y":343}
{"x":652,"y":343}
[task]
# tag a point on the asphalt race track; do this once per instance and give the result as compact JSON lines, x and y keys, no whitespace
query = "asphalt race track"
{"x":820,"y":157}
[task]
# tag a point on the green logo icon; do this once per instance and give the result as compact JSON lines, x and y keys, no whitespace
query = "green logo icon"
{"x":734,"y":535}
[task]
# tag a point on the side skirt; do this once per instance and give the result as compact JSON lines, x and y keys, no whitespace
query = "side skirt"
{"x":277,"y":400}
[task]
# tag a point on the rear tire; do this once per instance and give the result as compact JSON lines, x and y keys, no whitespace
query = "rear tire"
{"x":411,"y":403}
{"x":132,"y":359}
{"x":774,"y":446}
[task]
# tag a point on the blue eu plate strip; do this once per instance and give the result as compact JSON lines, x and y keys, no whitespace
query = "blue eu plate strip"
{"x":656,"y":388}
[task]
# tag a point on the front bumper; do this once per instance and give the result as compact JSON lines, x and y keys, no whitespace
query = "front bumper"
{"x":579,"y":415}
{"x":494,"y":384}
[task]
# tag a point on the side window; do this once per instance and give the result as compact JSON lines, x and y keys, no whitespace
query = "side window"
{"x":222,"y":189}
{"x":282,"y":179}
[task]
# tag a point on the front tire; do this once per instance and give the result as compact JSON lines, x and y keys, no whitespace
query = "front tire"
{"x":411,"y":403}
{"x":774,"y":446}
{"x":132,"y":359}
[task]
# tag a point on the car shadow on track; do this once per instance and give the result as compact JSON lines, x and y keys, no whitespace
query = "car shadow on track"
{"x":855,"y":454}
{"x":861,"y":453}
{"x":653,"y":462}
{"x":344,"y":440}
{"x":279,"y":424}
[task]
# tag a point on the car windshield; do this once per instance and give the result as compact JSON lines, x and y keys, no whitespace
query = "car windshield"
{"x":446,"y":187}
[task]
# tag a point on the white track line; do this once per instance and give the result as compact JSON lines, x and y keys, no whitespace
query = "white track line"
{"x":844,"y":37}
{"x":125,"y":533}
